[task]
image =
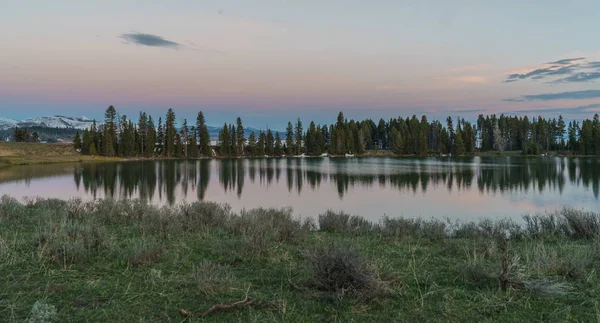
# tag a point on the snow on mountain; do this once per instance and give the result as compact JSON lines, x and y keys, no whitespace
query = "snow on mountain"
{"x":6,"y":123}
{"x":47,"y":122}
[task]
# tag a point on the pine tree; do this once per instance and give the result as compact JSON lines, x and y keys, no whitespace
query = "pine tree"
{"x":110,"y":131}
{"x":170,"y":133}
{"x":150,"y":144}
{"x":184,"y":137}
{"x":224,"y":141}
{"x":178,"y":146}
{"x":86,"y":142}
{"x":262,"y":138}
{"x":299,"y":137}
{"x":289,"y":139}
{"x":240,"y":138}
{"x":193,"y":146}
{"x":278,"y":145}
{"x":203,"y":135}
{"x":142,"y":129}
{"x":398,"y":143}
{"x":252,"y":144}
{"x":160,"y":137}
{"x":270,"y":145}
{"x":77,"y":141}
{"x":458,"y":148}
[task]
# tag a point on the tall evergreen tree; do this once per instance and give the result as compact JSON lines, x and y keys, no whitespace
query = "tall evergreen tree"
{"x":289,"y":139}
{"x":240,"y":138}
{"x":278,"y":145}
{"x":193,"y":145}
{"x":299,"y":137}
{"x":170,"y":134}
{"x":203,"y":135}
{"x":160,"y":137}
{"x":224,"y":142}
{"x":77,"y":141}
{"x":252,"y":144}
{"x":110,"y":132}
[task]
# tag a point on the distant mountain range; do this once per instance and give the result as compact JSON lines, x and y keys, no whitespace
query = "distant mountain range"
{"x":81,"y":123}
{"x":47,"y":122}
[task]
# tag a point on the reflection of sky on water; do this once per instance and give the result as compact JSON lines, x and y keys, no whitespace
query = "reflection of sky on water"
{"x":466,"y":188}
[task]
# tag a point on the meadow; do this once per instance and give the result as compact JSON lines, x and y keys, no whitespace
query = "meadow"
{"x":129,"y":261}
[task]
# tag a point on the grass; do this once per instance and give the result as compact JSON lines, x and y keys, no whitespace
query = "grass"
{"x":15,"y":153}
{"x":130,"y":261}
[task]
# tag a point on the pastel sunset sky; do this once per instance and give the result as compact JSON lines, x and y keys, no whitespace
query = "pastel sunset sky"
{"x":272,"y":61}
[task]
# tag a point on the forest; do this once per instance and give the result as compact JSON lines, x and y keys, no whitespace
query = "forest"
{"x":402,"y":136}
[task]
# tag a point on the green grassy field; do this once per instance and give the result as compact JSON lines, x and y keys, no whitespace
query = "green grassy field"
{"x":131,"y":262}
{"x":16,"y":153}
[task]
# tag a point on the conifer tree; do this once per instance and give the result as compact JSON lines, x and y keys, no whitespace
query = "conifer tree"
{"x":184,"y":138}
{"x":151,"y":139}
{"x":160,"y":137}
{"x":77,"y":141}
{"x":203,"y":135}
{"x":240,"y":138}
{"x":252,"y":144}
{"x":289,"y":139}
{"x":110,"y":132}
{"x":278,"y":146}
{"x":270,"y":145}
{"x":299,"y":134}
{"x":170,"y":134}
{"x":193,"y":145}
{"x":224,"y":141}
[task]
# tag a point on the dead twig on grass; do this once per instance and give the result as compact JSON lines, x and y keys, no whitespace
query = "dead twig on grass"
{"x":220,"y":307}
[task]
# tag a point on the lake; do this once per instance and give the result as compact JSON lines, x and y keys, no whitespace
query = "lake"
{"x":460,"y":188}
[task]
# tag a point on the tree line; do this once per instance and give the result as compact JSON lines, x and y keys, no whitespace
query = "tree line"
{"x":120,"y":136}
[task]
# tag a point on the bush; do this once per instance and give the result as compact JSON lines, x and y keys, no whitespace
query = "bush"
{"x":199,"y":215}
{"x":259,"y":227}
{"x":331,"y":221}
{"x":342,"y":268}
{"x":401,"y":227}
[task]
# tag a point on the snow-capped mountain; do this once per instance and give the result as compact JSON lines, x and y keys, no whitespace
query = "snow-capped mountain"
{"x":6,"y":123}
{"x":47,"y":122}
{"x":82,"y":123}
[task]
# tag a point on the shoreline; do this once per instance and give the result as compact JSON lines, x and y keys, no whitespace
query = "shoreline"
{"x":18,"y":154}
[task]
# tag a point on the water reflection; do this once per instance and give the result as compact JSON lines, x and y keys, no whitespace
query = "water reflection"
{"x":169,"y":181}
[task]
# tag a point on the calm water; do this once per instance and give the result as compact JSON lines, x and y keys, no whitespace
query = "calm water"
{"x":466,"y":188}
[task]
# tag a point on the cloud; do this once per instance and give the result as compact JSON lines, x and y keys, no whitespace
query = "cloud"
{"x":572,"y":95}
{"x":149,"y":40}
{"x":566,"y":61}
{"x":592,"y":65}
{"x":570,"y":70}
{"x":465,"y":110}
{"x":542,"y":73}
{"x":579,"y":77}
{"x":583,"y":110}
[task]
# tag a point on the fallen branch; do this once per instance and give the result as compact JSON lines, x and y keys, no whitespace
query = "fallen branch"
{"x":219,"y":307}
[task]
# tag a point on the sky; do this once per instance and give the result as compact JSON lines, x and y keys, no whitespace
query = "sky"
{"x":270,"y":61}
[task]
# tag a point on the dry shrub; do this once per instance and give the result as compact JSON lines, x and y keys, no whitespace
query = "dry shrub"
{"x":565,"y":222}
{"x":201,"y":215}
{"x":260,"y":227}
{"x":70,"y":242}
{"x":332,"y":221}
{"x":342,"y":269}
{"x":402,"y":227}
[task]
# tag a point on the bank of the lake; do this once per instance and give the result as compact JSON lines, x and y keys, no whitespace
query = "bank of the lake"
{"x":14,"y":154}
{"x":128,"y":261}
